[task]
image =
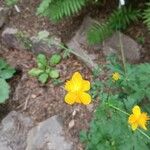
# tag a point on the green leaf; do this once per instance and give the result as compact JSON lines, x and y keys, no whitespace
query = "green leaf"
{"x":3,"y":63}
{"x":43,"y":78}
{"x":41,"y":61}
{"x":35,"y":72}
{"x":83,"y":136}
{"x":55,"y":59}
{"x":7,"y":73}
{"x":4,"y":90}
{"x":54,"y":74}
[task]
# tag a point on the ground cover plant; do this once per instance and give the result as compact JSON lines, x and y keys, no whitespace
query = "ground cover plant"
{"x":119,"y":122}
{"x":46,"y":68}
{"x":6,"y":72}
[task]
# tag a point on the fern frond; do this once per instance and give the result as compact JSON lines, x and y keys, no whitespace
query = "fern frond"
{"x":57,"y":9}
{"x":146,"y":16}
{"x":119,"y":19}
{"x":98,"y":32}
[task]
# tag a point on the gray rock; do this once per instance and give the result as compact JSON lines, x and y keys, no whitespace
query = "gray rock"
{"x":12,"y":38}
{"x":48,"y":135}
{"x":131,"y":48}
{"x":43,"y":43}
{"x":79,"y":45}
{"x":13,"y":131}
{"x":4,"y":12}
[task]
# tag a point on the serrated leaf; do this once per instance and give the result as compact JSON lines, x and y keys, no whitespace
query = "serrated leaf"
{"x":54,"y":74}
{"x":35,"y":72}
{"x":83,"y":136}
{"x":4,"y":90}
{"x":55,"y":59}
{"x":43,"y":78}
{"x":41,"y":61}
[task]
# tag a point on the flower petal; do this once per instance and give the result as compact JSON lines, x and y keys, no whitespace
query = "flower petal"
{"x":85,"y":85}
{"x":70,"y":98}
{"x":76,"y":81}
{"x":68,"y":86}
{"x":132,"y":119}
{"x":143,"y":120}
{"x":77,"y":76}
{"x":85,"y":98}
{"x":136,"y":111}
{"x":134,"y":126}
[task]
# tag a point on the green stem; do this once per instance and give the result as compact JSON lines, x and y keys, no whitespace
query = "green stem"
{"x":143,"y":133}
{"x":118,"y":109}
{"x":122,"y":53}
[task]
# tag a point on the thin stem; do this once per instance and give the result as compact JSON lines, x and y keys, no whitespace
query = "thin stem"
{"x":122,"y":52}
{"x":118,"y":109}
{"x":143,"y":133}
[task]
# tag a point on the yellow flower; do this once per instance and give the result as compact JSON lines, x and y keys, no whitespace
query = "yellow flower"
{"x":77,"y":88}
{"x":138,"y":119}
{"x":115,"y":76}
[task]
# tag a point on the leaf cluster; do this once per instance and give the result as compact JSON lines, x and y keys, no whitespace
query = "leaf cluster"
{"x":6,"y":72}
{"x":109,"y":130}
{"x":57,"y":9}
{"x":46,"y":68}
{"x":109,"y":127}
{"x":134,"y":83}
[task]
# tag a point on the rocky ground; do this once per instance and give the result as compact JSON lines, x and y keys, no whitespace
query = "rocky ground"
{"x":39,"y":111}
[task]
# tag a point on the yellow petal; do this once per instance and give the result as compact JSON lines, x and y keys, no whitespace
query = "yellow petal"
{"x":132,"y":119}
{"x":76,"y":81}
{"x":70,"y":98}
{"x":134,"y":126}
{"x":68,"y":86}
{"x":85,"y":85}
{"x":136,"y":111}
{"x":85,"y":98}
{"x":77,"y":76}
{"x":143,"y":120}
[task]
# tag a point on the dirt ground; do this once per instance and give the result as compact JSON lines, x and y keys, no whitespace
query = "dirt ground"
{"x":43,"y":101}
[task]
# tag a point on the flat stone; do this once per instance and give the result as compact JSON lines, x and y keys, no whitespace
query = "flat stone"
{"x":4,"y":13}
{"x":45,"y":43}
{"x":48,"y":135}
{"x":12,"y":38}
{"x":13,"y":131}
{"x":131,"y":47}
{"x":78,"y":44}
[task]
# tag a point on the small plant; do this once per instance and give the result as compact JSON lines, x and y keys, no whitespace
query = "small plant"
{"x":119,"y":119}
{"x":46,"y":68}
{"x":6,"y":72}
